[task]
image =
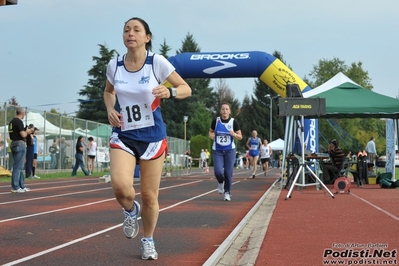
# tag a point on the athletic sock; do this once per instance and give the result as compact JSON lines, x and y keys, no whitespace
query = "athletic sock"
{"x":33,"y":171}
{"x":132,"y":209}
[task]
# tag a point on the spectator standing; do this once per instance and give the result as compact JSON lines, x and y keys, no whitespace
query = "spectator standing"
{"x":91,"y":154}
{"x":245,"y":160}
{"x":3,"y":153}
{"x":35,"y":150}
{"x":79,"y":162}
{"x":208,"y":154}
{"x":280,"y":159}
{"x":63,"y":153}
{"x":18,"y":135}
{"x":203,"y":159}
{"x":371,"y":150}
{"x":29,"y":152}
{"x":224,"y":129}
{"x":54,"y":153}
{"x":187,"y":159}
{"x":10,"y":157}
{"x":57,"y":154}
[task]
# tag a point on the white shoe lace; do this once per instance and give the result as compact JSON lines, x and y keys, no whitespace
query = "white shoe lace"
{"x":148,"y":246}
{"x":129,"y":220}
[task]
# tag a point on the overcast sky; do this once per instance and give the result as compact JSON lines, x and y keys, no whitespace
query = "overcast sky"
{"x":46,"y":46}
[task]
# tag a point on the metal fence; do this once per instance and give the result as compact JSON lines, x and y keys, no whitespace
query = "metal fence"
{"x":65,"y":130}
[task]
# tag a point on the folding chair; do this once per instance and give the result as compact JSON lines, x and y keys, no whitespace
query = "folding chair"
{"x":343,"y":170}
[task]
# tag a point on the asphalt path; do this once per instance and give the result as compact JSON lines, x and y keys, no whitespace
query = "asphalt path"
{"x":77,"y":221}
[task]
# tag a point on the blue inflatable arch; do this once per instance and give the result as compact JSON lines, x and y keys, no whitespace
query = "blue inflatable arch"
{"x":256,"y":64}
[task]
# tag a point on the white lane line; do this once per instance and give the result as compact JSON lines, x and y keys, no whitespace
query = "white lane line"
{"x":378,"y":208}
{"x":83,"y":205}
{"x":57,"y":210}
{"x":54,"y":182}
{"x":48,"y":188}
{"x":60,"y":246}
{"x":99,"y":232}
{"x":53,"y":196}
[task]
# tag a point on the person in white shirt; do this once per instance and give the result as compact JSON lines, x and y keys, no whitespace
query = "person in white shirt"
{"x":371,"y":151}
{"x":91,"y":154}
{"x":265,"y":154}
{"x":203,"y":159}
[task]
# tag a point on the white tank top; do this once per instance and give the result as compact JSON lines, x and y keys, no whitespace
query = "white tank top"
{"x":141,"y":111}
{"x":92,"y":149}
{"x":264,"y":151}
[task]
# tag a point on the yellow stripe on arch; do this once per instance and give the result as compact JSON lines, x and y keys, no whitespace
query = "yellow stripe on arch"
{"x":167,"y":84}
{"x":277,"y":75}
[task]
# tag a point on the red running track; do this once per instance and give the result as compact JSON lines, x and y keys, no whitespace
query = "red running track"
{"x":77,"y":221}
{"x":311,"y":228}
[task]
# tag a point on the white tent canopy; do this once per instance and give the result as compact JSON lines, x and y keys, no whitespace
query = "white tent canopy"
{"x":335,"y":81}
{"x":45,"y":126}
{"x":277,"y":145}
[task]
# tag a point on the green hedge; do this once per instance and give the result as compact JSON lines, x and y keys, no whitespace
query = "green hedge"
{"x":197,"y":143}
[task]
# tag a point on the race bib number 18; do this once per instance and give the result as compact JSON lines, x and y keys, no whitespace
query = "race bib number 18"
{"x":136,"y":116}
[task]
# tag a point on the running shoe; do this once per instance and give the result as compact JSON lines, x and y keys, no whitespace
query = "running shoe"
{"x":227,"y":196}
{"x":36,"y":177}
{"x":253,"y":176}
{"x":220,"y":188}
{"x":19,"y":190}
{"x":148,"y":251}
{"x":131,"y":224}
{"x":26,"y":189}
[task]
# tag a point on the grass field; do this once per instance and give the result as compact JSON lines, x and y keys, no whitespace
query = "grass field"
{"x":55,"y":175}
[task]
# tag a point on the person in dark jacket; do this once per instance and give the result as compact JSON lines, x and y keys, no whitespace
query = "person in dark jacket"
{"x":337,"y":158}
{"x":79,"y":162}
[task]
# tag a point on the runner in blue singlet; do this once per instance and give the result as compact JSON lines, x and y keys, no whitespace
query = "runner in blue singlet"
{"x":253,"y":144}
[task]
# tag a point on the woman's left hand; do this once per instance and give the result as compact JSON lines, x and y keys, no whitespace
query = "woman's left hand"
{"x":161,"y":92}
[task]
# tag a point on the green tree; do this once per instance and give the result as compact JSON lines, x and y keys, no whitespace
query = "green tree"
{"x":197,"y":143}
{"x":324,"y":70}
{"x":92,"y":107}
{"x":175,"y":110}
{"x":200,"y":121}
{"x":53,"y":116}
{"x":244,"y":118}
{"x":13,"y":101}
{"x":356,"y":73}
{"x":165,"y":48}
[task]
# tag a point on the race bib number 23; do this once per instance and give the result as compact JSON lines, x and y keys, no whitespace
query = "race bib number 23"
{"x":223,"y":140}
{"x":136,"y":116}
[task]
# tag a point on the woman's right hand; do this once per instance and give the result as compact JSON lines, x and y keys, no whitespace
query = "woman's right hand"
{"x":114,"y":118}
